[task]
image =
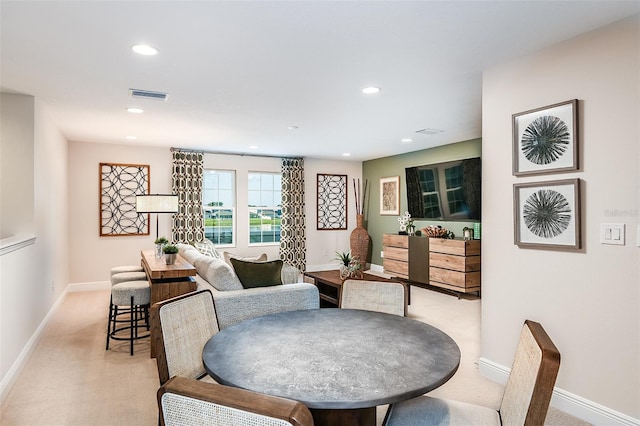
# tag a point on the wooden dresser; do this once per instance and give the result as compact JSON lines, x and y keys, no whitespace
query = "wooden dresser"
{"x":406,"y":257}
{"x":454,"y":264}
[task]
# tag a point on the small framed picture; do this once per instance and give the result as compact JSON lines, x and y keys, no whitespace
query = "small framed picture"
{"x":545,"y":140}
{"x":390,"y":196}
{"x":547,"y":214}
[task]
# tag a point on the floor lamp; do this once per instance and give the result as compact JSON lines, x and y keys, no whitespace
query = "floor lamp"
{"x":157,"y":203}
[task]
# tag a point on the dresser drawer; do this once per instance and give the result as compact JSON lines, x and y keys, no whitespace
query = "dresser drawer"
{"x":396,"y":268}
{"x":396,"y":253}
{"x":393,"y":240}
{"x":455,"y":278}
{"x":456,"y":263}
{"x":455,"y":247}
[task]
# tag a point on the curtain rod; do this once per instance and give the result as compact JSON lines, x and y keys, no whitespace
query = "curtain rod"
{"x":241,"y":154}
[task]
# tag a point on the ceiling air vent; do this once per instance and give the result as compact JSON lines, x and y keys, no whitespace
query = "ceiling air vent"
{"x":429,"y":131}
{"x":148,"y":94}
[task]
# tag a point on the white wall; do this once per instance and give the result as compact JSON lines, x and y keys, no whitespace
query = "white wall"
{"x":34,"y":278}
{"x":90,"y":255}
{"x":588,"y":300}
{"x":16,"y":165}
{"x":323,"y":245}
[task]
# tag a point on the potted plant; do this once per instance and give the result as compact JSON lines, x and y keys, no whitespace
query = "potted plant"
{"x":349,"y":265}
{"x":160,"y":242}
{"x":170,"y":253}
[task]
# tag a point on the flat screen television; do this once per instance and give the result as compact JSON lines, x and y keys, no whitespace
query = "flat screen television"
{"x":445,"y":191}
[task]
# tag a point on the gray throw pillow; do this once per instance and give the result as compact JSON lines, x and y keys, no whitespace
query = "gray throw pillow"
{"x":258,"y":274}
{"x":207,"y":248}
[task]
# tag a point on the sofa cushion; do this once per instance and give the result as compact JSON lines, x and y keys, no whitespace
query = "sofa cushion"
{"x":202,"y":264}
{"x":190,"y":255}
{"x":220,"y":275}
{"x":228,"y":256}
{"x":258,"y":274}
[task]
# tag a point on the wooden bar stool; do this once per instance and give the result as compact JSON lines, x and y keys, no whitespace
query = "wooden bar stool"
{"x":136,"y":295}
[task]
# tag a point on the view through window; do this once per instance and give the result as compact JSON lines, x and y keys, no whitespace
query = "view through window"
{"x":265,"y":207}
{"x":218,"y":200}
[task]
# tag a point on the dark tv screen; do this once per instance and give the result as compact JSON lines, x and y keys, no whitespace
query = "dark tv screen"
{"x":445,"y":191}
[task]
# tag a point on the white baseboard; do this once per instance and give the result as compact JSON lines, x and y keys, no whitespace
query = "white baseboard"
{"x":12,"y":374}
{"x":575,"y":405}
{"x":376,"y":268}
{"x":98,"y":285}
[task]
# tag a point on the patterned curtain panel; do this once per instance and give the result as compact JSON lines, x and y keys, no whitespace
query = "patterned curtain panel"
{"x":188,"y":223}
{"x":292,"y":229}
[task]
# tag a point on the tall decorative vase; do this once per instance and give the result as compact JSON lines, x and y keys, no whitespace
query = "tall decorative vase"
{"x":359,"y":241}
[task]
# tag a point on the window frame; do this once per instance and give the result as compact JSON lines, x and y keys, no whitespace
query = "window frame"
{"x":274,"y":208}
{"x":233,"y":208}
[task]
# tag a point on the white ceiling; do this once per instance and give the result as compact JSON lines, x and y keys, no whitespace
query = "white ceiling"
{"x":239,"y":73}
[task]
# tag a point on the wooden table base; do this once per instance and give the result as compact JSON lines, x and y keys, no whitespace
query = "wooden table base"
{"x":353,"y":417}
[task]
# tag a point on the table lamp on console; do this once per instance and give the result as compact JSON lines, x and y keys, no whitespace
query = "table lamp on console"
{"x":157,"y":203}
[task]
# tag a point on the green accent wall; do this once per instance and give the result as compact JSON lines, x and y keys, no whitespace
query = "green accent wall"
{"x":373,"y":170}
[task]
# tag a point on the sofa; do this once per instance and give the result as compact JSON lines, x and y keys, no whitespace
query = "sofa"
{"x":235,"y":301}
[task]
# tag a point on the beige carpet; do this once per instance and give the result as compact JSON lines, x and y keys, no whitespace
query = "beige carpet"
{"x":71,"y":380}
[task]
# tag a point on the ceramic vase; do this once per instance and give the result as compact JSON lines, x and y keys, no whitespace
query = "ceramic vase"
{"x":170,"y":258}
{"x":360,"y":241}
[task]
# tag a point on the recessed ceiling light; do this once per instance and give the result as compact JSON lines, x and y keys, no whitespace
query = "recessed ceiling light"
{"x":131,"y":137}
{"x":346,"y":154}
{"x":135,"y":110}
{"x":144,"y":49}
{"x":253,"y":147}
{"x":406,"y":140}
{"x":370,"y":90}
{"x":292,"y":127}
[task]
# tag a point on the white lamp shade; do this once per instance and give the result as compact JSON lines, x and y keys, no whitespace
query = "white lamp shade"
{"x":157,"y":203}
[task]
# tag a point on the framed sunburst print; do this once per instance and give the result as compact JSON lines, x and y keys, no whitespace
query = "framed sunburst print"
{"x":547,"y":214}
{"x":545,"y":140}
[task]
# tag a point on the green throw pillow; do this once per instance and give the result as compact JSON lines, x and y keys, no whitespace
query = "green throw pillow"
{"x":258,"y":274}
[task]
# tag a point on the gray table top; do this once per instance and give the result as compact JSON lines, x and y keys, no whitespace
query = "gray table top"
{"x":333,"y":358}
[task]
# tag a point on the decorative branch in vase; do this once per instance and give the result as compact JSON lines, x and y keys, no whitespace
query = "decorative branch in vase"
{"x":360,"y":240}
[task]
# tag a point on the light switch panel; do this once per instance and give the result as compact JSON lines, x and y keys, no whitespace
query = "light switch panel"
{"x":612,"y":233}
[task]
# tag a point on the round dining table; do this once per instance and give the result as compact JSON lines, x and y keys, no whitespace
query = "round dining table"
{"x":340,"y":363}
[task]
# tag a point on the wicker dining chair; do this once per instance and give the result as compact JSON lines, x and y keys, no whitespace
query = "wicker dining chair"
{"x":180,"y":328}
{"x":526,"y":396}
{"x":187,"y":402}
{"x":379,"y":296}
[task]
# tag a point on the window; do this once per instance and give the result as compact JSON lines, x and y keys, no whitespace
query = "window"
{"x":218,"y":202}
{"x":455,"y":196}
{"x":265,"y":207}
{"x":430,"y":198}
